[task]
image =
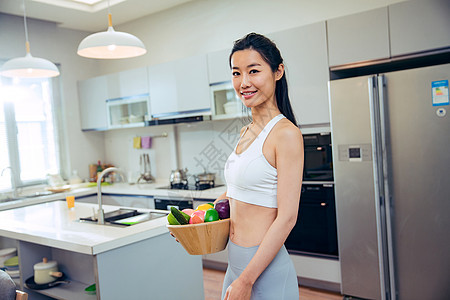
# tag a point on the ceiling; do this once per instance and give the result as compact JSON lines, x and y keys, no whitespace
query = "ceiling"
{"x":88,"y":17}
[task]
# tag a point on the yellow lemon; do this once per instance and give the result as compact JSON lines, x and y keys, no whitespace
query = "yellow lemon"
{"x":204,"y":207}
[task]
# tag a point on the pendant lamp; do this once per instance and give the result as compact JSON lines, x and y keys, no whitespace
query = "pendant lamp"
{"x":111,"y":44}
{"x":28,"y":66}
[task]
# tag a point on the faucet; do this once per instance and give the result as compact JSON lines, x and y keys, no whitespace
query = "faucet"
{"x":13,"y":181}
{"x":101,"y":213}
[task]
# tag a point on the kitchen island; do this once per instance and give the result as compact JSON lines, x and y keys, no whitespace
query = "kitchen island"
{"x":312,"y":271}
{"x":141,"y":261}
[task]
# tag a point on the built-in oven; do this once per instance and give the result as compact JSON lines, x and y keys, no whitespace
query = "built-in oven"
{"x":315,"y":233}
{"x":181,"y":203}
{"x":318,"y":164}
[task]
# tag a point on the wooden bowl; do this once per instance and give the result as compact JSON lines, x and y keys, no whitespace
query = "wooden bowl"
{"x":203,"y":238}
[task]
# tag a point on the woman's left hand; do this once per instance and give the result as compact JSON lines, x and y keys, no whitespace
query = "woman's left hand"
{"x":238,"y":290}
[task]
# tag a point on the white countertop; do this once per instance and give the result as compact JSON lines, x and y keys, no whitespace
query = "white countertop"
{"x":160,"y":190}
{"x":53,"y":224}
{"x":79,"y":191}
{"x":144,"y":189}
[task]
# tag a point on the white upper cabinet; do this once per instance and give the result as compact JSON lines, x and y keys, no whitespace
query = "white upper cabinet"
{"x":417,"y":26}
{"x":114,"y":101}
{"x":163,"y":88}
{"x":359,"y":37}
{"x":179,"y":87}
{"x":304,"y":51}
{"x":128,"y":83}
{"x":92,"y":94}
{"x":219,"y":67}
{"x":192,"y":83}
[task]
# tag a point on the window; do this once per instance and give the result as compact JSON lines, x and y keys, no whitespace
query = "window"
{"x":29,"y":143}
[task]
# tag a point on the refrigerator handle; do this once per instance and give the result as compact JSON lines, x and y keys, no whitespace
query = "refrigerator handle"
{"x":378,"y":177}
{"x":386,"y":182}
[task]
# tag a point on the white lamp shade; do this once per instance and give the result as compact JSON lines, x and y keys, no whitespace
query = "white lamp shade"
{"x":30,"y":67}
{"x":111,"y":44}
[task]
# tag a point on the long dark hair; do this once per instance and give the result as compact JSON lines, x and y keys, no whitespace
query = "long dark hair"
{"x":270,"y":53}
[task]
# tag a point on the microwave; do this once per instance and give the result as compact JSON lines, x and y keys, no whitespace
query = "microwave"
{"x":318,"y":159}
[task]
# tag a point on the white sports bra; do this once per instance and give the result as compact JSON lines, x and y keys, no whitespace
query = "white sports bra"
{"x":249,"y":176}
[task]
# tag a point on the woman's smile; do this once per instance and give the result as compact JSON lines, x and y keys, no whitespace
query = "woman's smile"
{"x":247,"y":94}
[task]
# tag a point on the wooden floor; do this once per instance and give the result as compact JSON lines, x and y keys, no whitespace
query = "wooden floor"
{"x":213,"y":280}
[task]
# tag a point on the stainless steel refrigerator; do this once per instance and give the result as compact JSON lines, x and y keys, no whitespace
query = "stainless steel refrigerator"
{"x":391,"y":158}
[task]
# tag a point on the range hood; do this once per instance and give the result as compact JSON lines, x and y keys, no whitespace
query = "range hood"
{"x":180,"y":117}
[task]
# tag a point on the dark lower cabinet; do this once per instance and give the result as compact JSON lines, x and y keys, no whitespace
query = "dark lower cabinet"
{"x":315,"y":233}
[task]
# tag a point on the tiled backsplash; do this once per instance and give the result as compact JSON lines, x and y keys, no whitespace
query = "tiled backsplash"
{"x":200,"y":145}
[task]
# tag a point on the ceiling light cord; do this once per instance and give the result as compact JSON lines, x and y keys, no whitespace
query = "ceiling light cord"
{"x":27,"y":43}
{"x":109,"y":10}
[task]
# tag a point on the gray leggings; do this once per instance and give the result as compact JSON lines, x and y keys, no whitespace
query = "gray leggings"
{"x":277,"y":282}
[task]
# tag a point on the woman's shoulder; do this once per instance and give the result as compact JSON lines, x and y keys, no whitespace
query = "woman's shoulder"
{"x":288,"y":139}
{"x":286,"y":131}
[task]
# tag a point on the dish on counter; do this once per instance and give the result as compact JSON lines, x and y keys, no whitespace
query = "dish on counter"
{"x":12,"y":266}
{"x":6,"y":254}
{"x":59,"y":189}
{"x":12,"y":262}
{"x":31,"y":284}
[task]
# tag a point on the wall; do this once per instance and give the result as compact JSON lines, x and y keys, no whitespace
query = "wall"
{"x":119,"y":150}
{"x":201,"y":27}
{"x":59,"y":46}
{"x":203,"y":145}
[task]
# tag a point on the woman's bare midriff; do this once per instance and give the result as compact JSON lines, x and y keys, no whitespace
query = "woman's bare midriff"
{"x":249,"y":222}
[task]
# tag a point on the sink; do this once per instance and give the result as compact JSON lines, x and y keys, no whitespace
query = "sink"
{"x":114,"y":215}
{"x":143,"y":217}
{"x":127,"y":217}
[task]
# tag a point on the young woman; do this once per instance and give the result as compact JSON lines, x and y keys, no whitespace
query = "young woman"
{"x":264,"y":177}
